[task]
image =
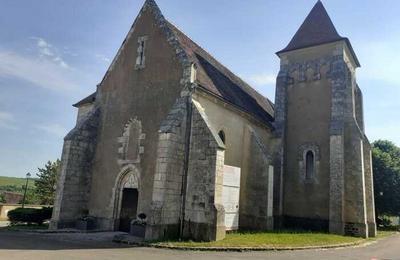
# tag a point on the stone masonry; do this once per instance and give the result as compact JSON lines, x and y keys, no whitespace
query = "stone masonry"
{"x":75,"y":175}
{"x":168,"y":118}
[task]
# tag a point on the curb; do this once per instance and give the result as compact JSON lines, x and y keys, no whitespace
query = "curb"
{"x":237,"y":249}
{"x":359,"y":243}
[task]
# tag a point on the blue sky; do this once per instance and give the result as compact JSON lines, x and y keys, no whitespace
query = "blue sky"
{"x":53,"y":53}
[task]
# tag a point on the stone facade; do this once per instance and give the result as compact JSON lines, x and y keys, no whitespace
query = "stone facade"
{"x":168,"y":119}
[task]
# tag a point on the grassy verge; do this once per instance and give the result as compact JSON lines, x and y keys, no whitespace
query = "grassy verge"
{"x":275,"y":239}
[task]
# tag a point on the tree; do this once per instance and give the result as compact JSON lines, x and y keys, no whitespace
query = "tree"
{"x":386,"y":165}
{"x":46,"y":182}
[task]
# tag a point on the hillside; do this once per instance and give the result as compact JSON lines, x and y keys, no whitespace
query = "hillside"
{"x":14,"y":184}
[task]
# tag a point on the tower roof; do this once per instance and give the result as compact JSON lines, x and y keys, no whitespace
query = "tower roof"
{"x":316,"y":29}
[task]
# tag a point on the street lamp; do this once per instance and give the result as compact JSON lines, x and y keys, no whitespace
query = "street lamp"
{"x":26,"y":188}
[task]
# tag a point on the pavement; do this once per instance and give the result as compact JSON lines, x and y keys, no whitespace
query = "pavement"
{"x":21,"y":245}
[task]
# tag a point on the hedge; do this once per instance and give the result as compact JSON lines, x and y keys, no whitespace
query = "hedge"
{"x":29,"y":215}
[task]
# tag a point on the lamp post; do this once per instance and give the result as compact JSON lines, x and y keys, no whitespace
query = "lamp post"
{"x":26,"y":188}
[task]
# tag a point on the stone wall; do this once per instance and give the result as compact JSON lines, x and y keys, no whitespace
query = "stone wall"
{"x":73,"y":187}
{"x":359,"y":109}
{"x":355,"y":215}
{"x":369,"y":189}
{"x":344,"y":167}
{"x":257,"y":209}
{"x":167,"y":191}
{"x":204,"y":212}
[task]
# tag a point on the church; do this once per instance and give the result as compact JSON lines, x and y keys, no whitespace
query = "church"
{"x":173,"y":136}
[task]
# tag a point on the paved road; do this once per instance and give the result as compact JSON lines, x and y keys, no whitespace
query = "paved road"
{"x":18,"y":245}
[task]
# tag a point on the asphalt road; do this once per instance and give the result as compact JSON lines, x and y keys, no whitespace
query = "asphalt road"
{"x":18,"y":245}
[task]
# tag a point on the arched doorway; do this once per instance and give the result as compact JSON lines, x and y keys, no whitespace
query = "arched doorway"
{"x":126,"y":201}
{"x":128,"y":210}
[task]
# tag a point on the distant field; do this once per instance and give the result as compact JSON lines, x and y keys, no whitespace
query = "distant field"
{"x":8,"y":182}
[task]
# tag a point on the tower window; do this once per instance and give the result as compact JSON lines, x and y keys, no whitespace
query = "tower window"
{"x":222,"y":136}
{"x":309,"y":165}
{"x":140,"y":59}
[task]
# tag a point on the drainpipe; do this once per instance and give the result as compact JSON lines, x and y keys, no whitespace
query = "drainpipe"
{"x":188,"y":133}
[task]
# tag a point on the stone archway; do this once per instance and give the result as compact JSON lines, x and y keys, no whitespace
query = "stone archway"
{"x":126,"y":195}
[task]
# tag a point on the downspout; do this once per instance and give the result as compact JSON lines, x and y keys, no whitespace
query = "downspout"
{"x":188,"y":132}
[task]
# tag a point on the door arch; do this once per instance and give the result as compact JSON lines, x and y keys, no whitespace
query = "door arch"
{"x":126,"y":197}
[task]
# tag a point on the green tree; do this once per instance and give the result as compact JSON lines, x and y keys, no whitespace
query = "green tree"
{"x":46,"y":182}
{"x":386,"y":165}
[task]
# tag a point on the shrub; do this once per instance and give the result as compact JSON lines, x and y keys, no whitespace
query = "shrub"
{"x":28,"y":215}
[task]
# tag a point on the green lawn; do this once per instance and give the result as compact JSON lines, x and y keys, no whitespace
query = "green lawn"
{"x":274,"y":239}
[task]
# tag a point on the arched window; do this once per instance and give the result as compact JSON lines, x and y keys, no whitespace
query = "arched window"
{"x":309,"y":165}
{"x":222,"y":136}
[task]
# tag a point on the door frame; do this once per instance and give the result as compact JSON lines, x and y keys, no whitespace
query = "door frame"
{"x":129,"y":177}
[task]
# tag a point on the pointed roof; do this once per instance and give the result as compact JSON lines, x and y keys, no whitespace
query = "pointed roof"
{"x":87,"y":100}
{"x":212,"y":76}
{"x":316,"y":29}
{"x":216,"y":79}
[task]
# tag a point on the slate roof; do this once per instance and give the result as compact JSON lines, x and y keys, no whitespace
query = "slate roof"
{"x":216,"y":79}
{"x":316,"y":29}
{"x":87,"y":100}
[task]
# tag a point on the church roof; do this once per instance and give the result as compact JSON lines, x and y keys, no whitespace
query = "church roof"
{"x":87,"y":100}
{"x":316,"y":29}
{"x":216,"y":79}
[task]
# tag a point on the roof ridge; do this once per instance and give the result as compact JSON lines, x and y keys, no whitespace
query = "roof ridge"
{"x":231,"y":75}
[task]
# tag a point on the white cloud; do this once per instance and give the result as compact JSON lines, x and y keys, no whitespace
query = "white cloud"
{"x":46,"y":50}
{"x":262,"y":79}
{"x":103,"y":58}
{"x":7,"y":120}
{"x":53,"y":129}
{"x":41,"y":72}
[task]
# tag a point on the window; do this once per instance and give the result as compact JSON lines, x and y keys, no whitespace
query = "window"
{"x":140,"y":59}
{"x":309,"y":165}
{"x":193,"y":73}
{"x":222,"y":136}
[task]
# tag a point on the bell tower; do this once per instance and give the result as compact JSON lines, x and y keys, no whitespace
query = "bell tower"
{"x":325,"y":157}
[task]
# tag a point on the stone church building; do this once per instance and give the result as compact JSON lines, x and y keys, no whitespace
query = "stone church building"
{"x":173,"y":134}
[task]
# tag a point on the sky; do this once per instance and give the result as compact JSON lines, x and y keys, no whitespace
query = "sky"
{"x":54,"y":53}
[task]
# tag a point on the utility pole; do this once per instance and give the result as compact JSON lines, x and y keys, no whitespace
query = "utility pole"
{"x":26,"y":188}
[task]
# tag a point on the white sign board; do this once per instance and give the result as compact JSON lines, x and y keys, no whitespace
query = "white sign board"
{"x":230,"y":196}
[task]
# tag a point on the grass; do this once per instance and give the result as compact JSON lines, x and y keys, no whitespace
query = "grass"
{"x":14,"y":184}
{"x":275,"y":239}
{"x":13,"y":181}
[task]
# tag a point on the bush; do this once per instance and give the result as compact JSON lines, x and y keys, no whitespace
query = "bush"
{"x":28,"y":215}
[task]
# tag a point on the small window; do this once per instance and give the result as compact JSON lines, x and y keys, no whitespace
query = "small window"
{"x":193,"y":73}
{"x":140,"y":59}
{"x":309,"y":165}
{"x":222,"y":136}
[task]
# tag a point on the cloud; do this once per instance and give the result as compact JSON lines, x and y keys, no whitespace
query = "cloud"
{"x":103,"y":58}
{"x":46,"y":50}
{"x":7,"y":120}
{"x":262,"y":79}
{"x":53,"y":129}
{"x":41,"y":72}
